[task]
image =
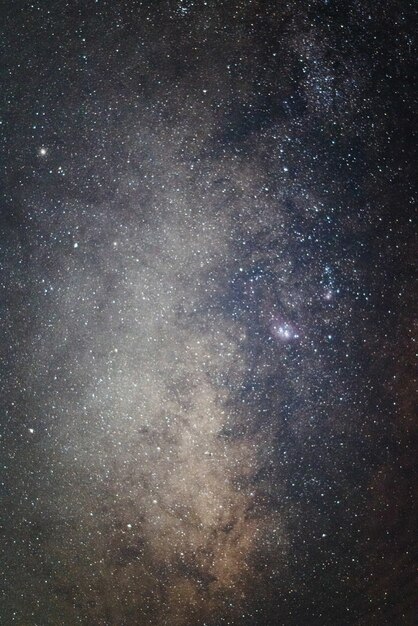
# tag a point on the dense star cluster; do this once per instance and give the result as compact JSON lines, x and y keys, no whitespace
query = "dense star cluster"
{"x":208,"y":301}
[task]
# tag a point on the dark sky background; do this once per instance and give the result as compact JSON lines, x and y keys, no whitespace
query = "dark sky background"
{"x":208,"y":296}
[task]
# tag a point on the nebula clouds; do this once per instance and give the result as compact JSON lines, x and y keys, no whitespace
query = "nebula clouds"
{"x":147,"y":368}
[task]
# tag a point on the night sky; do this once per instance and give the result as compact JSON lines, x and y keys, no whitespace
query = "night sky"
{"x":208,"y":297}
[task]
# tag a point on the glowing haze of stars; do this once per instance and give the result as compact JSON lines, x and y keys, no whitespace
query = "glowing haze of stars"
{"x":208,"y":306}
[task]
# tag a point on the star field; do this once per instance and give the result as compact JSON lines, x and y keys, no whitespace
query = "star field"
{"x":208,"y":278}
